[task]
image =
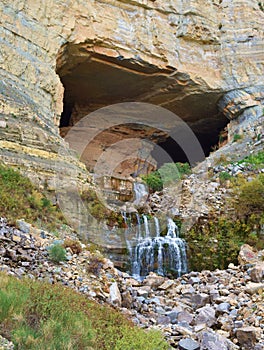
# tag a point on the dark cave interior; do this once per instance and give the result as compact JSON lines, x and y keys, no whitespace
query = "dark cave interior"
{"x":92,"y":81}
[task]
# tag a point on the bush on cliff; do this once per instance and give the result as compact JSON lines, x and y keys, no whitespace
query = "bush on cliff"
{"x":168,"y":174}
{"x":19,"y":198}
{"x":154,"y":181}
{"x":38,"y":315}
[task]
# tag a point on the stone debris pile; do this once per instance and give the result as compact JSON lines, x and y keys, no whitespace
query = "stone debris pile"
{"x":221,"y":309}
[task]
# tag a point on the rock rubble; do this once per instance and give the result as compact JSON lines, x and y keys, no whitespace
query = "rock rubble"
{"x":221,"y":309}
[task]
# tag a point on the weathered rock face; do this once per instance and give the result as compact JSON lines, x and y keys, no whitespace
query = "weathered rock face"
{"x":182,"y":55}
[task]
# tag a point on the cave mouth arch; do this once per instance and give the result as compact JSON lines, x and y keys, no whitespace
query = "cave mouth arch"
{"x":94,"y":80}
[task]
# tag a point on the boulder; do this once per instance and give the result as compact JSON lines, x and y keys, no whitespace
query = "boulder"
{"x":247,"y":336}
{"x":205,"y":315}
{"x":23,"y":226}
{"x":247,"y":255}
{"x":115,"y":296}
{"x":253,"y":288}
{"x":200,"y":299}
{"x":213,"y":341}
{"x":257,"y":273}
{"x":127,"y":299}
{"x":223,"y":308}
{"x":153,"y":280}
{"x":185,"y":316}
{"x":166,"y":285}
{"x":188,"y":344}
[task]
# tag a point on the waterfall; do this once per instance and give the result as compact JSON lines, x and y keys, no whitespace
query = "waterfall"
{"x":161,"y":254}
{"x":173,"y":231}
{"x":140,"y":191}
{"x":139,"y":234}
{"x":157,"y":226}
{"x":146,"y":225}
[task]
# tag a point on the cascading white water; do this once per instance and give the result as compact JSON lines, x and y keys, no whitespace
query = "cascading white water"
{"x":149,"y":251}
{"x":157,"y":226}
{"x":140,"y":191}
{"x":163,"y":255}
{"x":146,"y":225}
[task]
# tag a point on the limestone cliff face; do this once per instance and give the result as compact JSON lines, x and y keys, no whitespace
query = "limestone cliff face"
{"x":184,"y":55}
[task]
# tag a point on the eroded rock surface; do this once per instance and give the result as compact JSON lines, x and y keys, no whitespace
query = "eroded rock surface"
{"x":181,"y":55}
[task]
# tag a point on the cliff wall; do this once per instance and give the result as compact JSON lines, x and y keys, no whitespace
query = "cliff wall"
{"x":201,"y":59}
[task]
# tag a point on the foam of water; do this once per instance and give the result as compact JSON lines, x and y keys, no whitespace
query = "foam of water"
{"x":153,"y":252}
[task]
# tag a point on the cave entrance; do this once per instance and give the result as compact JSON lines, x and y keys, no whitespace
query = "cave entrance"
{"x":96,"y":77}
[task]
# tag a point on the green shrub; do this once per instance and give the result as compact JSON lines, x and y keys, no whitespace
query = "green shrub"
{"x":215,"y":243}
{"x":224,"y":176}
{"x":132,"y":340}
{"x":19,"y":198}
{"x":37,"y":315}
{"x":168,"y":173}
{"x":57,"y":253}
{"x":250,"y":197}
{"x":237,"y":137}
{"x":257,"y":160}
{"x":154,"y":181}
{"x":173,"y":172}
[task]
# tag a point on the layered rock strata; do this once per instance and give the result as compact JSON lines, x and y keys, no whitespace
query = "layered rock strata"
{"x":186,"y":56}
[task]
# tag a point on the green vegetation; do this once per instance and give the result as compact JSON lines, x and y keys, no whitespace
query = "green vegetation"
{"x":99,"y":211}
{"x":224,"y":176}
{"x":154,"y":181}
{"x":249,"y":196}
{"x":173,"y":172}
{"x":237,"y":137}
{"x":36,"y":315}
{"x":57,"y":252}
{"x":19,"y":198}
{"x":167,"y":174}
{"x":215,"y":243}
{"x":257,"y":160}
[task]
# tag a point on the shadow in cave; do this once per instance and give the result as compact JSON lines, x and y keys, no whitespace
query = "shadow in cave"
{"x":92,"y":81}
